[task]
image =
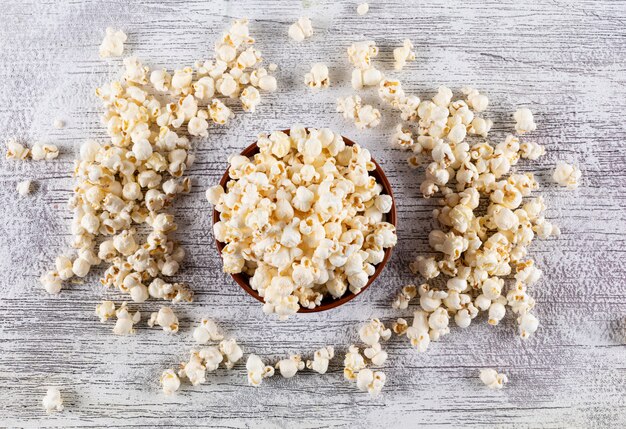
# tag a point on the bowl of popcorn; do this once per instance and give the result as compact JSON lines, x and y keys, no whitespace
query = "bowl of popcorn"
{"x":304,"y":220}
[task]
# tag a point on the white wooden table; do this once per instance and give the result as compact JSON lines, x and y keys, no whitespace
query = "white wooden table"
{"x":564,"y":60}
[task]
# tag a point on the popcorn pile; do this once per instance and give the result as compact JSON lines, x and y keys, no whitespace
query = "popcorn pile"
{"x":477,"y":251}
{"x":128,"y":183}
{"x":209,"y":358}
{"x":355,"y":364}
{"x":303,"y":218}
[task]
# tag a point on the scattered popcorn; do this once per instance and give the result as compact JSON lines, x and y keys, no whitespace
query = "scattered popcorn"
{"x":404,"y":297}
{"x":372,"y":332}
{"x":360,"y":54}
{"x":321,"y":359}
{"x":370,"y":381}
{"x":51,"y":282}
{"x":492,"y":379}
{"x":105,"y":310}
{"x":403,"y":54}
{"x":170,"y":381}
{"x":23,"y":187}
{"x":353,"y":363}
{"x":316,"y":258}
{"x":194,"y":370}
{"x":125,"y":321}
{"x":207,"y":331}
{"x":475,"y":100}
{"x":376,"y":354}
{"x":52,"y":401}
{"x":476,"y":252}
{"x":16,"y":151}
{"x":232,"y":352}
{"x":362,"y":9}
{"x":257,"y":370}
{"x":64,"y":266}
{"x":58,"y":124}
{"x":364,"y":116}
{"x":301,"y":29}
{"x":524,"y":121}
{"x":212,"y":357}
{"x":365,"y":77}
{"x":289,"y":367}
{"x":528,"y":325}
{"x":44,"y":152}
{"x":317,"y":77}
{"x":400,"y":326}
{"x":113,"y":43}
{"x":165,"y":318}
{"x":567,"y":175}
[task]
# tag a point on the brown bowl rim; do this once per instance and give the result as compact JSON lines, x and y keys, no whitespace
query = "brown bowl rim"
{"x":242,"y":279}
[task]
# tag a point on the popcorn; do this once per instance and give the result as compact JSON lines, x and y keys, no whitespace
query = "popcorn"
{"x":475,"y":100}
{"x":362,"y":9}
{"x":321,"y":359}
{"x":194,"y":370}
{"x":403,"y":54}
{"x":476,"y":251}
{"x":289,"y":367}
{"x":125,"y":321}
{"x":126,"y":183}
{"x":105,"y":310}
{"x":524,"y":121}
{"x":301,"y":29}
{"x":51,"y":282}
{"x":113,"y":43}
{"x":492,"y":379}
{"x":58,"y":124}
{"x":372,"y":332}
{"x":567,"y":175}
{"x":231,"y":351}
{"x":44,"y":152}
{"x":360,"y":54}
{"x":400,"y":326}
{"x":23,"y":187}
{"x":371,"y":381}
{"x":165,"y":318}
{"x":170,"y":381}
{"x":211,"y":357}
{"x":528,"y":325}
{"x":404,"y":297}
{"x":376,"y":354}
{"x":366,"y":77}
{"x":315,"y":256}
{"x":52,"y":401}
{"x":364,"y":116}
{"x":16,"y":151}
{"x":207,"y":331}
{"x":317,"y":77}
{"x":63,"y":266}
{"x":257,"y":370}
{"x":353,"y":363}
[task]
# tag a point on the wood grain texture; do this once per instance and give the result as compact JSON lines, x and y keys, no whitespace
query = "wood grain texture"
{"x":565,"y":60}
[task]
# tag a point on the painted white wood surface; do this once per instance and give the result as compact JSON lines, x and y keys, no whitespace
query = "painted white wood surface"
{"x":564,"y":60}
